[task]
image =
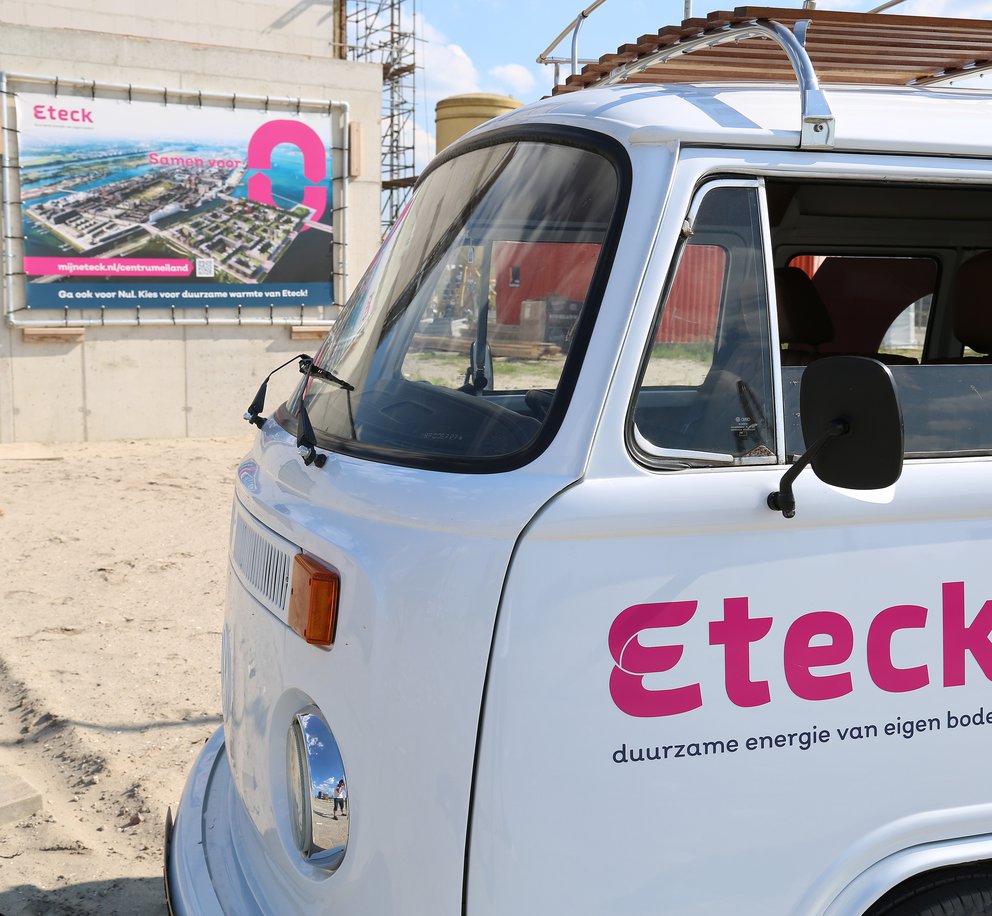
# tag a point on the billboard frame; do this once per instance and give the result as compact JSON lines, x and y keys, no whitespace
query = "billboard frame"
{"x":11,"y":217}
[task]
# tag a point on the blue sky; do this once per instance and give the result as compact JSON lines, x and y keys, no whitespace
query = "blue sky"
{"x":502,"y":38}
{"x":491,"y":45}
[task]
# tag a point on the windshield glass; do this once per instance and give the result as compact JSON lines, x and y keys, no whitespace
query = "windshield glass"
{"x":460,"y":337}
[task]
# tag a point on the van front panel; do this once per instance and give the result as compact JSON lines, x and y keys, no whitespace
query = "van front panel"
{"x":421,"y":558}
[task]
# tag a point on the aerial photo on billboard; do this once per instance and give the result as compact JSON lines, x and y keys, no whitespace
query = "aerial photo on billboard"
{"x":168,"y":205}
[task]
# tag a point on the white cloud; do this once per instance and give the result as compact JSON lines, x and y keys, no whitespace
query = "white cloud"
{"x":444,"y":70}
{"x":518,"y":79}
{"x":443,"y":67}
{"x":447,"y":69}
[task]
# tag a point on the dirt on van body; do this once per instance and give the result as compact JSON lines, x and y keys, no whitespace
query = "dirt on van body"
{"x":112,"y":586}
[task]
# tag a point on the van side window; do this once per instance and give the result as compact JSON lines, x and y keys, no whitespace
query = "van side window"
{"x":900,"y":273}
{"x":855,"y":304}
{"x":849,"y":304}
{"x":706,"y":394}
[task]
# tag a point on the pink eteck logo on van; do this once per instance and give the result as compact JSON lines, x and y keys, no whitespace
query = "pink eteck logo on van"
{"x":832,"y":632}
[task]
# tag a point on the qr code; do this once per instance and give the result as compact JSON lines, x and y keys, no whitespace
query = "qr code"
{"x":204,"y":267}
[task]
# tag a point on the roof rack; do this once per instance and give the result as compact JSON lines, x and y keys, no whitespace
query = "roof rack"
{"x":574,"y":27}
{"x":817,"y":119}
{"x":837,"y":47}
{"x":881,"y":49}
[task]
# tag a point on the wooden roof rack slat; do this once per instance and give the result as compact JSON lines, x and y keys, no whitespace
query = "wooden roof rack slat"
{"x":885,"y":21}
{"x":844,"y":56}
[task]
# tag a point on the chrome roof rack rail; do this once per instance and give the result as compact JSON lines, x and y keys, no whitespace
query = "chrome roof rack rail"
{"x":574,"y":26}
{"x":817,"y":118}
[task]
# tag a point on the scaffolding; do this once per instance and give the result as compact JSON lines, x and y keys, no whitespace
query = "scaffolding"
{"x":382,"y":32}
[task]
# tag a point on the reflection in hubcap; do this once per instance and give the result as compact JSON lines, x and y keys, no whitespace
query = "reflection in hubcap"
{"x":318,"y":790}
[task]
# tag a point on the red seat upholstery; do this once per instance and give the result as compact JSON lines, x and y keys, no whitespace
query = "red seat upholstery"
{"x":803,"y":322}
{"x":973,"y":308}
{"x":805,"y":325}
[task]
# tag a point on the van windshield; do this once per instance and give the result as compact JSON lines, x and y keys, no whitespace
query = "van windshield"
{"x":463,"y":338}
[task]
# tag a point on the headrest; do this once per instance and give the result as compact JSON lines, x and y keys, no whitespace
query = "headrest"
{"x":973,"y":303}
{"x":802,"y":316}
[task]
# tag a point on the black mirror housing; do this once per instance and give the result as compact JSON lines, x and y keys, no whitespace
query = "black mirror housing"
{"x":852,"y":426}
{"x":861,"y":392}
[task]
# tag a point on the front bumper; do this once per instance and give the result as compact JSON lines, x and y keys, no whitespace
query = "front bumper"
{"x":203,"y":875}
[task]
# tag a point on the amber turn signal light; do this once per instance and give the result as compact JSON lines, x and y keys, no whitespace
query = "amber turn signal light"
{"x":313,"y":600}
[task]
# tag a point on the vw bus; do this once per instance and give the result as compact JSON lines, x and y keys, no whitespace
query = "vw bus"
{"x":626,"y":547}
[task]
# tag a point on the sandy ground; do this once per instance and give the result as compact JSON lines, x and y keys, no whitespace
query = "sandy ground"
{"x":112,"y":580}
{"x":112,"y":568}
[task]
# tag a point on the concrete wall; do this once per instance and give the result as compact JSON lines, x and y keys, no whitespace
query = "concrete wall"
{"x":295,"y":27}
{"x":137,"y":382}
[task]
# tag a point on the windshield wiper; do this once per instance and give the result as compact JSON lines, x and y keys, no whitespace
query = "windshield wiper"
{"x":254,"y":412}
{"x":307,"y":367}
{"x":306,"y":441}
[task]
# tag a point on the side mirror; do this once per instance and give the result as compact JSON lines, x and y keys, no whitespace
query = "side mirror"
{"x":850,"y":413}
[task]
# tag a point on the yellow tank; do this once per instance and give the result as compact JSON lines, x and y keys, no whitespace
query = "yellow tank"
{"x":458,"y":114}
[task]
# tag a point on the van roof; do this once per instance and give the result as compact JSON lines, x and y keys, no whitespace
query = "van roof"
{"x":853,"y":82}
{"x":948,"y":122}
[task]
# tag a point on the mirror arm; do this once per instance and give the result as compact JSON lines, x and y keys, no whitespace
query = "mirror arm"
{"x":783,"y":499}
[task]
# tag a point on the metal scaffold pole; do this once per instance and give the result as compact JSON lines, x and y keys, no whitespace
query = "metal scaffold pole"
{"x":383,"y":32}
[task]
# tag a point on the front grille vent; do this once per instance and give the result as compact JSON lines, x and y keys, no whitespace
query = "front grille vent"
{"x":263,"y":561}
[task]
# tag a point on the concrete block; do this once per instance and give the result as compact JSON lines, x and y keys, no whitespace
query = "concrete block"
{"x":15,"y":12}
{"x":225,"y":366}
{"x":135,"y":383}
{"x":45,"y":16}
{"x":308,"y":333}
{"x":18,"y":800}
{"x":45,"y":388}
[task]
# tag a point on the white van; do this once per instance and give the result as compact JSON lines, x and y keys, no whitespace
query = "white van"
{"x":530,"y":609}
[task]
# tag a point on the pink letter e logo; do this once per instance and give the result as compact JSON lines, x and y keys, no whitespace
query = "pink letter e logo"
{"x":266,"y":139}
{"x":634,"y":660}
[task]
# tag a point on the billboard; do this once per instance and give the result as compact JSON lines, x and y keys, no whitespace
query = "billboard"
{"x":167,"y":205}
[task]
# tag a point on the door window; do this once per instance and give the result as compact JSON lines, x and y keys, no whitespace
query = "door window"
{"x":706,"y":394}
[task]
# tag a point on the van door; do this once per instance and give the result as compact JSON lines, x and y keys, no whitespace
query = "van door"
{"x":695,"y":705}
